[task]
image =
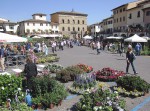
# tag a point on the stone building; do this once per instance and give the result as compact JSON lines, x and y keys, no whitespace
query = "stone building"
{"x":37,"y":25}
{"x":71,"y":24}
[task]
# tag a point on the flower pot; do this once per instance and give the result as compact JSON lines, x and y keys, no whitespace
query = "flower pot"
{"x":51,"y":106}
{"x":60,"y":102}
{"x":39,"y":106}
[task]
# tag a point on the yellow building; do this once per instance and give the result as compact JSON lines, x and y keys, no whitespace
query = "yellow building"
{"x":71,"y":24}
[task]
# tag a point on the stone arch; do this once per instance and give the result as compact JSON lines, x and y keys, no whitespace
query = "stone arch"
{"x":142,"y":34}
{"x":131,"y":35}
{"x":115,"y":35}
{"x":123,"y":35}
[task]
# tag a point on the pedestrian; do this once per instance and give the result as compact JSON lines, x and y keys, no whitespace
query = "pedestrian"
{"x":98,"y":47}
{"x":2,"y":58}
{"x":137,"y":49}
{"x":30,"y":71}
{"x":120,"y":49}
{"x":130,"y":57}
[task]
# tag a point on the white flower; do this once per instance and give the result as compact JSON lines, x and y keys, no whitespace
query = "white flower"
{"x":108,"y":98}
{"x":3,"y":88}
{"x":100,"y":107}
{"x":22,"y":95}
{"x":95,"y":108}
{"x":19,"y":89}
{"x":8,"y":84}
{"x":116,"y":92}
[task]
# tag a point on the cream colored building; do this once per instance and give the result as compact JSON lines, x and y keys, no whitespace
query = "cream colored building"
{"x":72,"y":24}
{"x":37,"y":25}
{"x":7,"y":26}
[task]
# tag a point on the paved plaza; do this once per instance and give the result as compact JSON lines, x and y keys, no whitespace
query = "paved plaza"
{"x":73,"y":56}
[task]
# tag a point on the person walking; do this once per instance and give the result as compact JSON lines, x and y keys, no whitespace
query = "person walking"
{"x":30,"y":71}
{"x":98,"y":46}
{"x":2,"y":58}
{"x":130,"y":57}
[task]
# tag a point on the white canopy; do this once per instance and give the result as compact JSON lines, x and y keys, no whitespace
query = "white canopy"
{"x":112,"y":37}
{"x":135,"y":38}
{"x":11,"y":38}
{"x":50,"y":35}
{"x":147,"y":38}
{"x":87,"y":37}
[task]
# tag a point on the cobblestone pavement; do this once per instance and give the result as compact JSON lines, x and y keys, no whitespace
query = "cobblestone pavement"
{"x":88,"y":56}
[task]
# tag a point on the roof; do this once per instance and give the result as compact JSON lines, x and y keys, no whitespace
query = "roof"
{"x":36,"y":21}
{"x":108,"y":18}
{"x":4,"y":22}
{"x":53,"y":23}
{"x":70,"y":13}
{"x":39,"y":14}
{"x":119,"y":7}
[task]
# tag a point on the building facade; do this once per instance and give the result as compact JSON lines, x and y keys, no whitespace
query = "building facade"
{"x":8,"y":27}
{"x":95,"y":29}
{"x":37,"y":25}
{"x":71,"y":24}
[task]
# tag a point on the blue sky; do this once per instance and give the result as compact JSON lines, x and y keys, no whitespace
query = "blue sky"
{"x":97,"y":10}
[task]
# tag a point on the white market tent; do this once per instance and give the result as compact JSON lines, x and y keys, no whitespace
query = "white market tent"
{"x":11,"y":38}
{"x":50,"y":35}
{"x":135,"y":38}
{"x":147,"y":38}
{"x":112,"y":37}
{"x":87,"y":37}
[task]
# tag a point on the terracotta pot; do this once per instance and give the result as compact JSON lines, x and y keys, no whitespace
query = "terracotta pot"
{"x":60,"y":102}
{"x":39,"y":106}
{"x":51,"y":106}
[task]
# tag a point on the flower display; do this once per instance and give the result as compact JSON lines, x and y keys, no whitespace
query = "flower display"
{"x":9,"y":85}
{"x":53,"y":68}
{"x":101,"y":100}
{"x":108,"y":74}
{"x":84,"y":83}
{"x":85,"y":68}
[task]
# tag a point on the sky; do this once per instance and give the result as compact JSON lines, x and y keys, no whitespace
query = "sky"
{"x":97,"y":10}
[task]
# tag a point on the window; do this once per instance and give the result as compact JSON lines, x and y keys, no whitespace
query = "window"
{"x":73,"y":28}
{"x":117,"y":11}
{"x":33,"y":30}
{"x":63,"y":21}
{"x":148,"y":13}
{"x":123,"y":18}
{"x":33,"y":24}
{"x":138,"y":14}
{"x":63,"y":28}
{"x":73,"y":21}
{"x":68,"y":28}
{"x":78,"y":22}
{"x":120,"y":10}
{"x":114,"y":20}
{"x":78,"y":28}
{"x":41,"y":24}
{"x":11,"y":27}
{"x":117,"y":20}
{"x":114,"y":12}
{"x":120,"y":19}
{"x":28,"y":31}
{"x":130,"y":16}
{"x":82,"y":21}
{"x":68,"y":21}
{"x":124,"y":9}
{"x":83,"y":28}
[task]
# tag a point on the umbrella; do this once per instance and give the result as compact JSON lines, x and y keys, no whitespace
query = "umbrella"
{"x":135,"y":38}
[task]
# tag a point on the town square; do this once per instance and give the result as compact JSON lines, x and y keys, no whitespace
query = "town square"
{"x":73,"y":61}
